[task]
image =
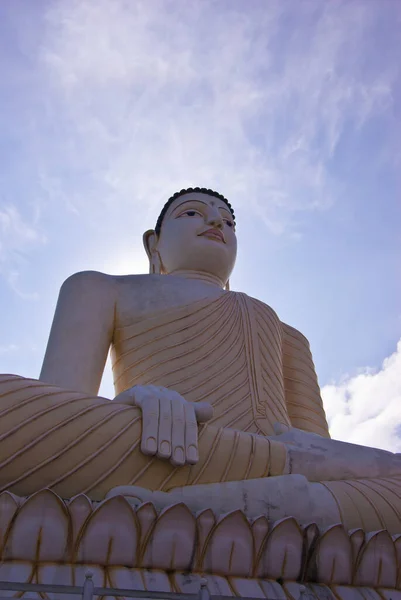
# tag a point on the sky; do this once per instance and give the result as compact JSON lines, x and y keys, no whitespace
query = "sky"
{"x":291,"y":109}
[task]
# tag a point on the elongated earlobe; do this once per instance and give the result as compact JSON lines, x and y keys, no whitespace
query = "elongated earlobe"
{"x":155,"y":263}
{"x":228,"y":285}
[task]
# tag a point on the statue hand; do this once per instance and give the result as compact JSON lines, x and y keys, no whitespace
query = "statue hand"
{"x":294,"y":436}
{"x":321,"y":458}
{"x":169,"y":422}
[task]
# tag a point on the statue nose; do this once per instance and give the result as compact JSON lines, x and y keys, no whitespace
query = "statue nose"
{"x":216,"y":222}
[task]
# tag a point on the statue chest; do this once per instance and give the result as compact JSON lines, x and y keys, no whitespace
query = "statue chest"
{"x":226,"y":351}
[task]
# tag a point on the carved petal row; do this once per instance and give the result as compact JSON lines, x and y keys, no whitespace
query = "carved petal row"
{"x":45,"y":529}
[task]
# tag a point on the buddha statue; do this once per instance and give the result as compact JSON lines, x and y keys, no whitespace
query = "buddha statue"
{"x":217,"y":400}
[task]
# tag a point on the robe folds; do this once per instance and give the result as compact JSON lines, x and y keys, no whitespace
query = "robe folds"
{"x":233,"y":352}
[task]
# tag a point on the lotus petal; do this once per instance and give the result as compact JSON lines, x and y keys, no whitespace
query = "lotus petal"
{"x":260,"y":530}
{"x":377,"y":564}
{"x":331,"y":561}
{"x":110,"y":536}
{"x":218,"y":586}
{"x":390,"y":594}
{"x":18,"y":571}
{"x":357,"y":537}
{"x":57,"y":574}
{"x":8,"y":508}
{"x":248,"y":588}
{"x":310,"y":536}
{"x":171,"y":544}
{"x":205,"y":522}
{"x":353,"y":593}
{"x":230,"y":546}
{"x":282,"y":555}
{"x":40,"y":530}
{"x":272,"y":589}
{"x":156,"y":581}
{"x":147,"y":517}
{"x":187,"y":583}
{"x":80,"y":508}
{"x":297,"y":591}
{"x":321,"y":591}
{"x":397,"y":545}
{"x":126,"y":579}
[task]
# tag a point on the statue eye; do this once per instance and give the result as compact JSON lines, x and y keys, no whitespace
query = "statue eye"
{"x":190,"y":213}
{"x":229,"y":223}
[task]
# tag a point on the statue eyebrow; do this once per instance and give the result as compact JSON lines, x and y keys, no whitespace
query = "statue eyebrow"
{"x":187,"y":202}
{"x":200,"y":202}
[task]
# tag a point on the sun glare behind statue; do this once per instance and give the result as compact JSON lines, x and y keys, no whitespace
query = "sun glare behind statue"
{"x":126,"y":261}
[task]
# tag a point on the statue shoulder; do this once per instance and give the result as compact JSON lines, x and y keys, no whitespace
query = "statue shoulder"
{"x":96,"y":289}
{"x":89,"y":280}
{"x":97,"y":279}
{"x":290,"y":334}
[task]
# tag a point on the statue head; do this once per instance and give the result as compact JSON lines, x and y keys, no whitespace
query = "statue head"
{"x":194,"y":232}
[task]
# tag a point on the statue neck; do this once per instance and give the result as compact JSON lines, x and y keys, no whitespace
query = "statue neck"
{"x":199,"y":276}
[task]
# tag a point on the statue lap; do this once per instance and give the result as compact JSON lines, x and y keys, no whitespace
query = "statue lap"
{"x":73,"y":443}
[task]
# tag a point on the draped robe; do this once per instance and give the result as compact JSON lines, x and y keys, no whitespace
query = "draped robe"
{"x":232,"y":352}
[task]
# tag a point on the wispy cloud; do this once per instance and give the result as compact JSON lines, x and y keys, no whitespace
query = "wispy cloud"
{"x":9,"y":348}
{"x":16,"y":234}
{"x":151,"y":96}
{"x":14,"y":281}
{"x":119,"y":103}
{"x":17,"y":238}
{"x":366,"y":408}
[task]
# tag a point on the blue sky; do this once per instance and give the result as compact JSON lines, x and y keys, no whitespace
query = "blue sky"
{"x":290,"y":109}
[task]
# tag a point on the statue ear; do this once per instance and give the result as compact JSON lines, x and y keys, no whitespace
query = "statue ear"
{"x":149,"y":241}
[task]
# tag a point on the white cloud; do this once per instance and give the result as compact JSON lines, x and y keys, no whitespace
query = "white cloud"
{"x":13,"y":279}
{"x":9,"y":348}
{"x":17,"y":238}
{"x":157,"y":95}
{"x":366,"y":408}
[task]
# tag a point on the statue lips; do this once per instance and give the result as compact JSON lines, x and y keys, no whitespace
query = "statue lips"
{"x":214,"y":234}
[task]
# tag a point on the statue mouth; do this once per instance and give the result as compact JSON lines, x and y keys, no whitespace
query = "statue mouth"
{"x":214,"y":234}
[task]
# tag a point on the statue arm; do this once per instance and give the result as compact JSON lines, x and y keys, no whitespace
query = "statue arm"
{"x":302,"y":392}
{"x":81,"y":333}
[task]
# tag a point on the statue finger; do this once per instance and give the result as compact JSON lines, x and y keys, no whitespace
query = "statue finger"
{"x":178,"y":432}
{"x":191,"y":433}
{"x":165,"y":428}
{"x":203,"y":411}
{"x":150,"y":425}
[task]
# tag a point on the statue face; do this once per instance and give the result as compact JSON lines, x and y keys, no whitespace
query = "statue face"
{"x":198,"y":233}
